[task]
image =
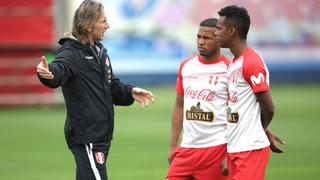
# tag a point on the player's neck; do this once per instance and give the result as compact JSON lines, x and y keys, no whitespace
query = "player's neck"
{"x":238,"y":47}
{"x":213,"y":57}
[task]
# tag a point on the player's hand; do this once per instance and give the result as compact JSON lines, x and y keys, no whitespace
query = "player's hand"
{"x":143,"y":96}
{"x":224,"y":167}
{"x":43,"y":69}
{"x":274,"y":141}
{"x":171,"y":154}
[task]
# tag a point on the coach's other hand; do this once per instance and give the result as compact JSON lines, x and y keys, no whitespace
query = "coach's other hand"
{"x":43,"y":69}
{"x":142,"y":96}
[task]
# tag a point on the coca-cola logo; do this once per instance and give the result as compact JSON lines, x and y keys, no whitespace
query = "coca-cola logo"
{"x":233,"y":97}
{"x":204,"y":94}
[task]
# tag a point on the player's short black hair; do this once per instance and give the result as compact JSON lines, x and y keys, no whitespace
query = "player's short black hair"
{"x":210,"y":22}
{"x":238,"y":17}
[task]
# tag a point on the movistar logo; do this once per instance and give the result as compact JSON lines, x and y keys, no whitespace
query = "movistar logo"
{"x":257,"y":80}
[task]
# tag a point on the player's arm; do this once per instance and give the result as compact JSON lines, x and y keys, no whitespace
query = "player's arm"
{"x":267,"y":112}
{"x":176,"y":125}
{"x":274,"y":141}
{"x":267,"y":108}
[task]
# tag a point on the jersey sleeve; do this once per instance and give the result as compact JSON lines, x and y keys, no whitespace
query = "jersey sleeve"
{"x":256,"y":73}
{"x":179,"y":85}
{"x":225,"y":60}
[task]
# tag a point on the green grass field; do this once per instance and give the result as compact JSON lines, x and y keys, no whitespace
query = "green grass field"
{"x":32,"y":145}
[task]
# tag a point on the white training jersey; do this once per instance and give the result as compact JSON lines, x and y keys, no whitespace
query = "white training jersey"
{"x":204,"y":87}
{"x":247,"y":75}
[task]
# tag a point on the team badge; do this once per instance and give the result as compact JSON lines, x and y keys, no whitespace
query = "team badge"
{"x":107,"y":61}
{"x":99,"y":157}
{"x":213,"y":79}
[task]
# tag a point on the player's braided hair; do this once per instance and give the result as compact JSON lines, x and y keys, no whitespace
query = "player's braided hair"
{"x":238,"y":17}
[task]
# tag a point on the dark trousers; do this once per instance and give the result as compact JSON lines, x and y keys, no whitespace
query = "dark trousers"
{"x":91,"y":160}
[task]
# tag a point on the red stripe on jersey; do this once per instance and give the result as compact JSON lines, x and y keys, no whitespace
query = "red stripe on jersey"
{"x":179,"y":86}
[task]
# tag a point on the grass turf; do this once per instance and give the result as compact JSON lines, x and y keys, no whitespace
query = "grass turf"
{"x":33,"y":145}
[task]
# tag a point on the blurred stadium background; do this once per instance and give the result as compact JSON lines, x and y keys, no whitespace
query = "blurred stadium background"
{"x":146,"y":42}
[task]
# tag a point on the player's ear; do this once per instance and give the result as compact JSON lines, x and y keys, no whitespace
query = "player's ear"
{"x":89,"y":28}
{"x":232,"y":30}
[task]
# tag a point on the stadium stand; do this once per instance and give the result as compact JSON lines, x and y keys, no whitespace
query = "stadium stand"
{"x":26,"y":34}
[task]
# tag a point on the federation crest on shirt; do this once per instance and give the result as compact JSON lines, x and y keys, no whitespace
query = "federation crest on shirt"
{"x":99,"y":157}
{"x":107,"y":61}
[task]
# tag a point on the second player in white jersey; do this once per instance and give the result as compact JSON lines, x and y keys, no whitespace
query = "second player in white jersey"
{"x":247,"y":75}
{"x":204,"y":86}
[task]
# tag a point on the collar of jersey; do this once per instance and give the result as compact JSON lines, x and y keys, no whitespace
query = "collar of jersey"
{"x":245,"y":51}
{"x":211,"y":62}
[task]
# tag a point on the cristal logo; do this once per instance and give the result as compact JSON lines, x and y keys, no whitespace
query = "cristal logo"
{"x":257,"y":80}
{"x":204,"y":94}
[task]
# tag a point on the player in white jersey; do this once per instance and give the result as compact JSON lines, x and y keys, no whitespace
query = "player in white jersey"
{"x":201,"y":110}
{"x":250,"y":106}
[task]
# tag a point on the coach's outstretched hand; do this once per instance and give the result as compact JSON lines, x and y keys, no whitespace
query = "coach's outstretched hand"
{"x":274,"y":140}
{"x":43,"y":69}
{"x":142,"y":96}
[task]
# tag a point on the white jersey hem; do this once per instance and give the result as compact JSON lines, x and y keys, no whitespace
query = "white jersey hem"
{"x":203,"y":146}
{"x":235,"y":150}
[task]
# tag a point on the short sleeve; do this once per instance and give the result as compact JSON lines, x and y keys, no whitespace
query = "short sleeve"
{"x":179,"y":85}
{"x":255,"y":72}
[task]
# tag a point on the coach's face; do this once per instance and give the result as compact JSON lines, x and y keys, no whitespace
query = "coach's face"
{"x":223,"y":33}
{"x":206,"y":40}
{"x":100,"y":27}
